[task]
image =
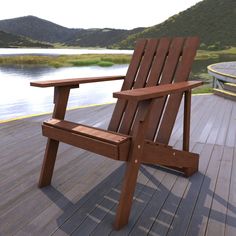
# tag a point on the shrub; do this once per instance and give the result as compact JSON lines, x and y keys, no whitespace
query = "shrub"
{"x":105,"y":63}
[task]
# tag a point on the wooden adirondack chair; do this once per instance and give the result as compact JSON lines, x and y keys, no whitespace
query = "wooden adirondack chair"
{"x":143,"y":118}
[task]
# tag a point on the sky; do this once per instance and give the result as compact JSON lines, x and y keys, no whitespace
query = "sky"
{"x":121,"y":14}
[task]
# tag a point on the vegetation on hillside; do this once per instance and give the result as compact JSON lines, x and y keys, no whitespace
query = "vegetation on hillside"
{"x":8,"y":40}
{"x":46,"y":31}
{"x":100,"y":37}
{"x":211,"y":20}
{"x":37,"y":29}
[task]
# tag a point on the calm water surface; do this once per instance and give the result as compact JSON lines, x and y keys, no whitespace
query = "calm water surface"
{"x":64,"y":51}
{"x":17,"y":98}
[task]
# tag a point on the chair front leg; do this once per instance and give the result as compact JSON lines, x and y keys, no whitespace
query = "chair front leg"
{"x":134,"y":161}
{"x":61,"y":95}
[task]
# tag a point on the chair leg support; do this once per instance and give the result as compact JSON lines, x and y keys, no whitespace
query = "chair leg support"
{"x":61,"y":95}
{"x":126,"y":197}
{"x":190,"y":171}
{"x":48,"y":163}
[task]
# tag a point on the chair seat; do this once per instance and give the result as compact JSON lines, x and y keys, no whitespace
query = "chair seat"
{"x":107,"y":143}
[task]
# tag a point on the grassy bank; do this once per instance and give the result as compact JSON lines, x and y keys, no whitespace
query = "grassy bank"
{"x":98,"y":59}
{"x":67,"y":60}
{"x":199,"y":70}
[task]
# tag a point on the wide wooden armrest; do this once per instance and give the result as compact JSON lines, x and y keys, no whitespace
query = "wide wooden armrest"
{"x":74,"y":82}
{"x":156,"y":91}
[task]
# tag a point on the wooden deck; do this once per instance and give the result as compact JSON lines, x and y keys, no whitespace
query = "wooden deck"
{"x":85,"y":188}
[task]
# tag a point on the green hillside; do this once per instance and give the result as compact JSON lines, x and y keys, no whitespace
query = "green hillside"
{"x":11,"y":41}
{"x":46,"y":31}
{"x":37,"y":29}
{"x":100,"y":37}
{"x":212,"y":20}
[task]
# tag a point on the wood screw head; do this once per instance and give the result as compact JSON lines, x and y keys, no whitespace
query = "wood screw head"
{"x":136,"y":161}
{"x":139,"y":146}
{"x":173,"y":153}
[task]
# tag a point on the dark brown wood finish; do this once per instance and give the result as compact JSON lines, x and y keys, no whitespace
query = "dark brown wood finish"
{"x":100,"y":134}
{"x":186,"y":126}
{"x":74,"y":82}
{"x":133,"y":164}
{"x":149,"y":102}
{"x":167,"y":75}
{"x":182,"y":73}
{"x":140,"y":82}
{"x":96,"y":145}
{"x":156,"y":91}
{"x":128,"y":83}
{"x":61,"y":95}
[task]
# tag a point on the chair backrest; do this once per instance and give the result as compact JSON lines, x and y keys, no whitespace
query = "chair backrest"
{"x":155,"y":62}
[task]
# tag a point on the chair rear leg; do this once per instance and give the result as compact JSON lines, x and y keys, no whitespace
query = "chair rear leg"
{"x":126,"y":197}
{"x":48,"y":163}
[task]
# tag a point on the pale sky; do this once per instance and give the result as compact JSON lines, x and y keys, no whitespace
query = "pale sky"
{"x":123,"y":14}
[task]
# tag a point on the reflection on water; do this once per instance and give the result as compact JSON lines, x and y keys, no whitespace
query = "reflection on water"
{"x":17,"y":98}
{"x":63,"y":51}
{"x":200,"y":66}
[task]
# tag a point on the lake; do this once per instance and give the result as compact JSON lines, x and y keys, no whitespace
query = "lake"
{"x":18,"y":98}
{"x":61,"y":51}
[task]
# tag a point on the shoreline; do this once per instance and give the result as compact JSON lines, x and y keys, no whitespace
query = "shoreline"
{"x":103,"y":60}
{"x":72,"y":108}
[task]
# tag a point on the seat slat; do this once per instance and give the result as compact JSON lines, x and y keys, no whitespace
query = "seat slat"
{"x":103,"y":135}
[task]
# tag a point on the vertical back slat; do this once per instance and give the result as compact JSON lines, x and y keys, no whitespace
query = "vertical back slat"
{"x":182,"y":74}
{"x":128,"y":83}
{"x":168,"y":73}
{"x":140,"y":82}
{"x":159,"y":62}
{"x":155,"y":62}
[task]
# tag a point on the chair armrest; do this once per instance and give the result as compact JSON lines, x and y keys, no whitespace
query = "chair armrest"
{"x":156,"y":91}
{"x":73,"y":82}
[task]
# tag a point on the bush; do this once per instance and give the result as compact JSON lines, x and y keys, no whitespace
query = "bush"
{"x":105,"y":63}
{"x":88,"y":62}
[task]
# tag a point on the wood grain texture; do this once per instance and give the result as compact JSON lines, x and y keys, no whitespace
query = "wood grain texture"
{"x":156,"y":91}
{"x":128,"y":83}
{"x":133,"y":117}
{"x":80,"y":197}
{"x":74,"y":82}
{"x":61,"y":95}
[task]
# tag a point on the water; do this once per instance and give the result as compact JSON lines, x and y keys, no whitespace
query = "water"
{"x":18,"y":98}
{"x":70,"y":51}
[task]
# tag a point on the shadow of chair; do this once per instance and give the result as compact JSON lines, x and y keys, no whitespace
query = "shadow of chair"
{"x":143,"y":118}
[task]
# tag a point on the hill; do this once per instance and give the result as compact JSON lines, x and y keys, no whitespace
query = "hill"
{"x":37,"y":29}
{"x":100,"y":37}
{"x":46,"y":31}
{"x":212,"y":20}
{"x":8,"y":40}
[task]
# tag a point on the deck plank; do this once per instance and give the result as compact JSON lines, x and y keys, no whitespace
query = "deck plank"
{"x":199,"y":218}
{"x":230,"y":224}
{"x":186,"y":207}
{"x":217,"y":217}
{"x":85,"y":187}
